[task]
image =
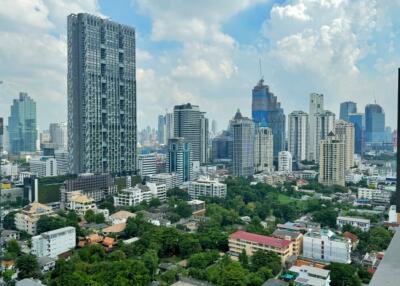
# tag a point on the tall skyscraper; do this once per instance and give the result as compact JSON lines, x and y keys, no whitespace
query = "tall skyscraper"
{"x":214,"y":128}
{"x":179,"y":159}
{"x":346,"y":108}
{"x":345,"y":132}
{"x":243,"y":145}
{"x":316,"y":106}
{"x":169,"y":126}
{"x":359,"y":125}
{"x":101,"y":95}
{"x":22,"y":125}
{"x":161,"y":129}
{"x":222,"y":147}
{"x":331,"y":163}
{"x":59,"y":135}
{"x":325,"y":123}
{"x":263,"y":150}
{"x":374,"y":124}
{"x":191,"y":124}
{"x":298,"y":134}
{"x":267,"y":112}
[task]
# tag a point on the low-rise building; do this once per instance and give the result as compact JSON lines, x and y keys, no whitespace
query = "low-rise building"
{"x":121,"y":217}
{"x":198,"y":207}
{"x":147,"y":164}
{"x":170,"y":180}
{"x":325,"y":245}
{"x":251,"y":242}
{"x":44,"y":166}
{"x":361,"y":223}
{"x":133,"y":196}
{"x":293,"y":236}
{"x":311,"y":276}
{"x":80,"y":203}
{"x":28,"y":217}
{"x":204,"y":187}
{"x":7,"y":235}
{"x":53,"y":243}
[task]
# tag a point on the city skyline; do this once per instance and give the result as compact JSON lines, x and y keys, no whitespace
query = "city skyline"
{"x":219,"y":62}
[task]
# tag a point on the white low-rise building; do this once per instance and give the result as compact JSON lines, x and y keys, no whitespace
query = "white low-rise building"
{"x":55,"y":242}
{"x":170,"y":180}
{"x":44,"y":166}
{"x":204,"y":187}
{"x":327,"y":246}
{"x":361,"y":223}
{"x":147,"y":164}
{"x":28,"y":217}
{"x":311,"y":276}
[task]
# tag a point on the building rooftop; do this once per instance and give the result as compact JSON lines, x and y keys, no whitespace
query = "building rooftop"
{"x":122,"y":215}
{"x":81,"y":199}
{"x":283,"y":233}
{"x":262,"y":239}
{"x":116,"y":228}
{"x":36,"y":208}
{"x":275,"y":282}
{"x":357,"y":219}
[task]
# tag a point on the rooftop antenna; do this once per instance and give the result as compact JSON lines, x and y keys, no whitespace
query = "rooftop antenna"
{"x":261,"y":75}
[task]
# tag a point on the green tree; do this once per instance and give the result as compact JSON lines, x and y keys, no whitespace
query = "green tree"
{"x":265,"y":259}
{"x":12,"y":249}
{"x":150,"y":260}
{"x":188,"y":245}
{"x":344,"y":275}
{"x":244,"y":259}
{"x":7,"y":275}
{"x":326,"y":217}
{"x":9,"y":221}
{"x":47,"y":223}
{"x":27,"y":266}
{"x":183,"y":209}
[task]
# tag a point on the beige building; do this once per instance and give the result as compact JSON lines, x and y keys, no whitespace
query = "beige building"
{"x":28,"y":217}
{"x":331,"y":161}
{"x":344,"y":131}
{"x":251,"y":242}
{"x":263,"y":150}
{"x":294,"y":236}
{"x":80,"y":203}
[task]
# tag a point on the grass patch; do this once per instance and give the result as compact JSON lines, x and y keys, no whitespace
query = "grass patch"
{"x":283,"y":199}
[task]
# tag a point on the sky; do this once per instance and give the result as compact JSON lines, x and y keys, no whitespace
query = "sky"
{"x":208,"y":52}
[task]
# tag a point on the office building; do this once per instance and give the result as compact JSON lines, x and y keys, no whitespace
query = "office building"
{"x":191,"y":124}
{"x":346,"y":108}
{"x":205,"y":187}
{"x":43,"y":166}
{"x":59,"y":135}
{"x":316,"y":106}
{"x":27,"y":218}
{"x":22,"y":125}
{"x":170,"y":180}
{"x":147,"y":164}
{"x":62,"y":160}
{"x":267,"y":112}
{"x":243,"y":145}
{"x":169,"y":127}
{"x":96,"y":187}
{"x":325,"y":245}
{"x":251,"y":242}
{"x":358,"y":122}
{"x":344,"y":132}
{"x":214,"y":128}
{"x":374,"y":124}
{"x":311,"y":276}
{"x":55,"y":242}
{"x":263,"y":150}
{"x":161,"y":129}
{"x":180,"y":159}
{"x":361,"y":223}
{"x":222,"y":148}
{"x":101,"y":96}
{"x":298,"y":135}
{"x":331,"y":163}
{"x":285,"y":162}
{"x":325,"y":123}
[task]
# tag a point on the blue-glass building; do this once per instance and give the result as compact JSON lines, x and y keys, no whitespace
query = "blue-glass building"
{"x":267,"y":112}
{"x":358,"y":121}
{"x":374,"y":124}
{"x":22,"y":125}
{"x":179,"y":159}
{"x":347,"y":108}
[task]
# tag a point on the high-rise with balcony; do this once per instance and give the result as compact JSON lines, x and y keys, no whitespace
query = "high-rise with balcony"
{"x":22,"y":125}
{"x":101,"y":95}
{"x":298,"y":134}
{"x":345,"y":132}
{"x":316,"y":106}
{"x":267,"y":112}
{"x":191,"y":124}
{"x":331,"y":163}
{"x":263,"y":150}
{"x":325,"y":123}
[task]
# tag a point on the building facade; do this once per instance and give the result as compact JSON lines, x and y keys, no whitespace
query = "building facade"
{"x":43,"y":166}
{"x":346,"y":108}
{"x":267,"y":112}
{"x":22,"y":125}
{"x":285,"y":162}
{"x":59,"y":135}
{"x":316,"y":106}
{"x":325,"y":123}
{"x":327,"y":246}
{"x":222,"y":148}
{"x":147,"y":164}
{"x":361,"y":223}
{"x":359,"y":126}
{"x":298,"y":135}
{"x":101,"y":96}
{"x":170,"y":180}
{"x":62,"y":160}
{"x":161,"y":129}
{"x":243,"y":145}
{"x":27,"y":218}
{"x":263,"y":150}
{"x":204,"y":187}
{"x":332,"y":163}
{"x":191,"y":124}
{"x":344,"y":131}
{"x":55,"y":242}
{"x":374,"y":124}
{"x":180,"y":159}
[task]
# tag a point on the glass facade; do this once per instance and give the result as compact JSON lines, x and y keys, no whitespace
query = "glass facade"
{"x":346,"y":108}
{"x":358,"y":121}
{"x":374,"y":124}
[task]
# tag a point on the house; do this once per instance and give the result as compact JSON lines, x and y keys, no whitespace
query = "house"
{"x":28,"y":217}
{"x":80,"y":203}
{"x":311,"y":276}
{"x":198,"y":207}
{"x":46,"y":264}
{"x":354,"y":238}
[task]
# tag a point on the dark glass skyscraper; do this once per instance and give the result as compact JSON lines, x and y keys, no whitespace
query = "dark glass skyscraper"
{"x":374,"y":124}
{"x":101,"y":96}
{"x":358,"y":121}
{"x":346,"y":108}
{"x":22,"y":125}
{"x":267,"y":112}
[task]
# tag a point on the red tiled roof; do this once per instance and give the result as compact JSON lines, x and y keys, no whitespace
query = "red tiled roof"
{"x":351,"y":236}
{"x":262,"y":239}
